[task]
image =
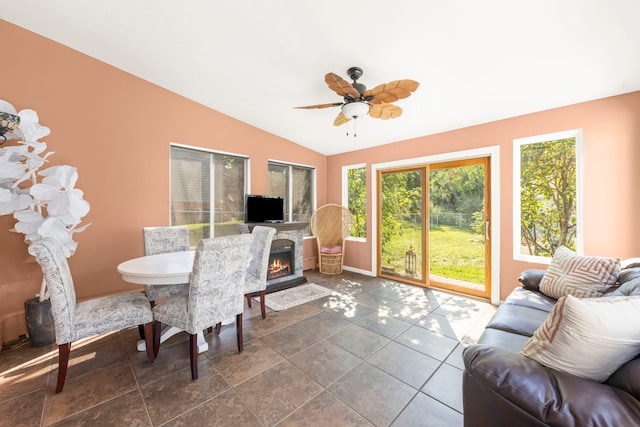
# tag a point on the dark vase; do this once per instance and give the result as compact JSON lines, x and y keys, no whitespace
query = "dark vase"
{"x":40,"y":326}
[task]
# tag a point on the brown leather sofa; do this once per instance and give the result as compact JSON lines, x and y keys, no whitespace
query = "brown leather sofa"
{"x":502,"y":388}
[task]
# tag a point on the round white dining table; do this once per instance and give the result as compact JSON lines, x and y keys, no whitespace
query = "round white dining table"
{"x":162,"y":269}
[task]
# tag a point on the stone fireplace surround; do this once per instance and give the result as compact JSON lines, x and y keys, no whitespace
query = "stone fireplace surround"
{"x":294,"y":232}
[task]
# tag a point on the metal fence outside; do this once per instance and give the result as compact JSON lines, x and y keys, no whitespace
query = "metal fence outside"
{"x":454,"y":219}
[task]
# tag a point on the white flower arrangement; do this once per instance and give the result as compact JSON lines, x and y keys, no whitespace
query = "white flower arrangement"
{"x":51,"y":208}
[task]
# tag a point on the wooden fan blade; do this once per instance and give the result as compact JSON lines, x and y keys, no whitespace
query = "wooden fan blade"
{"x":310,"y":107}
{"x":340,"y":86}
{"x":341,"y":119}
{"x":392,"y":91}
{"x":385,"y":111}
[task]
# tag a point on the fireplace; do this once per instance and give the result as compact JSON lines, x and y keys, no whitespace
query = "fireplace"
{"x":286,"y":248}
{"x":281,"y":261}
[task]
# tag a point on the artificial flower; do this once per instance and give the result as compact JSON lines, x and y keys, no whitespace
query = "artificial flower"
{"x":51,"y":208}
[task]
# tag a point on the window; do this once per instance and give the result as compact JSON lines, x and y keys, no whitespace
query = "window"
{"x":295,"y":184}
{"x":207,"y":192}
{"x":354,"y":197}
{"x":547,"y":189}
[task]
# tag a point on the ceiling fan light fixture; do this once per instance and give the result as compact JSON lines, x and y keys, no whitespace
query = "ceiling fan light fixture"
{"x":353,"y":110}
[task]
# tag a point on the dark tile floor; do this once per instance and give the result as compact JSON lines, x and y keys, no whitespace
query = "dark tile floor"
{"x":375,"y":352}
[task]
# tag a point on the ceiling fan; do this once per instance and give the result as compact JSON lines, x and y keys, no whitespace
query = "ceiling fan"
{"x":358,"y":101}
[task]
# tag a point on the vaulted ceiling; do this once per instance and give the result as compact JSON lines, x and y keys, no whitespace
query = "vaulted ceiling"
{"x":476,"y":61}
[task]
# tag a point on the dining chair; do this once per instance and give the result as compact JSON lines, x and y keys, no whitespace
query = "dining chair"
{"x":256,"y":279}
{"x":216,"y":292}
{"x":161,"y":240}
{"x":77,"y":320}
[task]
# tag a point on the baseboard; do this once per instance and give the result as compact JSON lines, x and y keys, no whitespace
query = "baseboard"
{"x":359,"y":271}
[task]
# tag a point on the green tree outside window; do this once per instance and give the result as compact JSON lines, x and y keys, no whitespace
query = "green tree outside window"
{"x":548,"y":195}
{"x":357,"y":199}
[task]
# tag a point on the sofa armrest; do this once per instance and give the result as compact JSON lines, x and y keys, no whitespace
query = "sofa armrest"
{"x":531,"y":279}
{"x":550,"y":396}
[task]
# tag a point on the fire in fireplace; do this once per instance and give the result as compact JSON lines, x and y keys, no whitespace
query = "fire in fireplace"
{"x":280,"y":260}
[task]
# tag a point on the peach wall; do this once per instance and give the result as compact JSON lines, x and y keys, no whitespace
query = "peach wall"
{"x":116,"y":129}
{"x":611,"y":130}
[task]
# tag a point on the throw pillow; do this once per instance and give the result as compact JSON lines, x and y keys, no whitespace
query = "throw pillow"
{"x":578,"y":275}
{"x":590,"y":338}
{"x":630,"y":263}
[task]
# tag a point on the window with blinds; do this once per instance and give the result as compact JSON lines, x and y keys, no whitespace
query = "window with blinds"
{"x":207,"y":192}
{"x":295,"y":184}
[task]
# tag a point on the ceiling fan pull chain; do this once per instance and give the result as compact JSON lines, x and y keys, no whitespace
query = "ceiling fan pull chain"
{"x":355,"y":126}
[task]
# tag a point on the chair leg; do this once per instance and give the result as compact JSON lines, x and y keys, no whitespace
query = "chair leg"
{"x":248,"y":300}
{"x":141,"y":327}
{"x":239,"y":332}
{"x":210,"y":329}
{"x":141,"y":331}
{"x":262,"y":304}
{"x":218,"y":327}
{"x":150,"y":341}
{"x":63,"y":363}
{"x":193,"y":352}
{"x":156,"y":337}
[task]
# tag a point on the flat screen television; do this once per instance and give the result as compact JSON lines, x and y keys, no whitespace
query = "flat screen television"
{"x":263,"y":209}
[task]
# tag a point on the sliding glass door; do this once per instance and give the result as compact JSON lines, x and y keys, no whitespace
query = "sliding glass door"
{"x":459,"y":229}
{"x":433,"y":227}
{"x":401,"y":233}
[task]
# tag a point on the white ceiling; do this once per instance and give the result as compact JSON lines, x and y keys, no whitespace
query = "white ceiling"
{"x":254,"y":60}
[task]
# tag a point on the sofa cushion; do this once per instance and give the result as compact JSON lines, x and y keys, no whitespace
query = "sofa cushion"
{"x":578,"y":275}
{"x":628,"y":274}
{"x":517,"y":319}
{"x":590,"y":338}
{"x":525,"y":298}
{"x":627,"y":378}
{"x":504,"y":340}
{"x":335,"y":249}
{"x":630,"y":288}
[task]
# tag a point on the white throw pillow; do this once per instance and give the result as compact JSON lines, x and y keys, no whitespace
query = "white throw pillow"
{"x":579,"y":275}
{"x":590,"y":338}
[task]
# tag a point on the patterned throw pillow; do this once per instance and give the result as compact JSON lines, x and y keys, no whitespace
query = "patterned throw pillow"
{"x":590,"y":338}
{"x":578,"y":275}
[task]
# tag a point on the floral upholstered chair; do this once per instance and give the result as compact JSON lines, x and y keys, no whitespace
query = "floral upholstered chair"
{"x":216,"y":292}
{"x":256,"y":280}
{"x":77,"y":320}
{"x":161,"y":240}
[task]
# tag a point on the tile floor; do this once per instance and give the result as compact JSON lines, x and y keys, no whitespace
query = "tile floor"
{"x":375,"y":352}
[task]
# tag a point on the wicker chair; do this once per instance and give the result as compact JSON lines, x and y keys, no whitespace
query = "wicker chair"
{"x":331,"y":224}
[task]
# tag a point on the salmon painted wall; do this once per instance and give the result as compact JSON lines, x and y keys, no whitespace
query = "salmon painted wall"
{"x":116,"y":129}
{"x":611,"y":132}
